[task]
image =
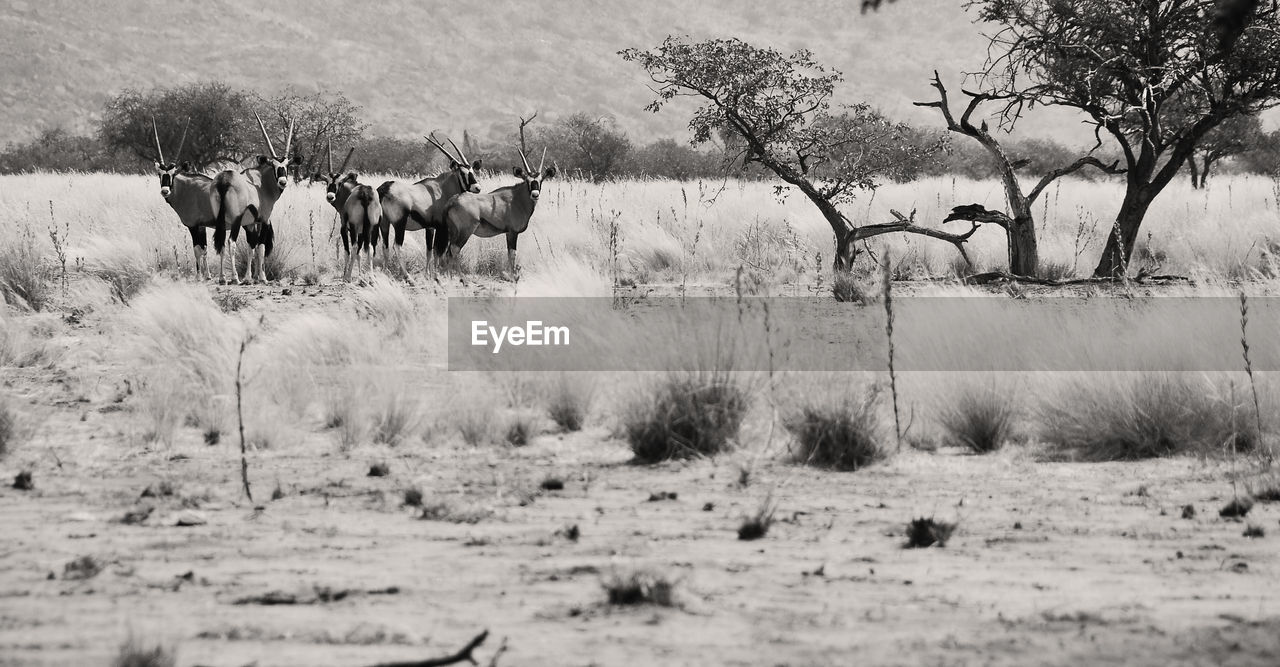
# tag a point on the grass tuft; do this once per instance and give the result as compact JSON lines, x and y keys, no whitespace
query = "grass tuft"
{"x":134,"y":654}
{"x":1147,"y":416}
{"x":640,"y":588}
{"x":757,"y":525}
{"x":570,"y":402}
{"x":922,"y":533}
{"x":685,"y":416}
{"x":845,"y":288}
{"x":843,"y":437}
{"x":980,"y":421}
{"x":1238,"y":508}
{"x":24,"y":279}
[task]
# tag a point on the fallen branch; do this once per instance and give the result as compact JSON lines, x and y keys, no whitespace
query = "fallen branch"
{"x":907,"y":224}
{"x":461,"y":656}
{"x":1003,"y":276}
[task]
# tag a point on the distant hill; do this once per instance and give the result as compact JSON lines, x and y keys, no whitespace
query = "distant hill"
{"x":415,"y":66}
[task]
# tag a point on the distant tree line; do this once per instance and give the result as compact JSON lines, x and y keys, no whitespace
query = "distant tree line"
{"x":220,"y":128}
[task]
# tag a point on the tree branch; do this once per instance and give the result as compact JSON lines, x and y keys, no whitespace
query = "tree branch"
{"x":1083,"y":162}
{"x":463,"y":655}
{"x":907,"y":225}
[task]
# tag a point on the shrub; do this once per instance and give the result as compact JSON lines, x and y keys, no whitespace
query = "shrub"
{"x":395,"y":419}
{"x":845,"y":288}
{"x":922,"y":533}
{"x":979,"y":421}
{"x":637,"y":588}
{"x":570,"y":402}
{"x":134,"y":654}
{"x":686,"y":415}
{"x":844,"y":436}
{"x":1147,"y":416}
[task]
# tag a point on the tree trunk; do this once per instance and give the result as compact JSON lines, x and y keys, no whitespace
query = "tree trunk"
{"x":1024,"y":253}
{"x":846,"y":251}
{"x":1119,"y":248}
{"x":1197,"y":181}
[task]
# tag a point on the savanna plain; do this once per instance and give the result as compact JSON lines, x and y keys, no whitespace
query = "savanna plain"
{"x":699,"y":514}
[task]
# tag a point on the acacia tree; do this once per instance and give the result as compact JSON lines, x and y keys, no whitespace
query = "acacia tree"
{"x":1234,"y":136}
{"x":592,"y":144}
{"x":1125,"y":64}
{"x":778,"y":110}
{"x":216,"y":113}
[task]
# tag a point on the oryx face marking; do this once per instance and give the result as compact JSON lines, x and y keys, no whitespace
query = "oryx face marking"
{"x":467,"y":176}
{"x":167,"y":172}
{"x":282,"y":171}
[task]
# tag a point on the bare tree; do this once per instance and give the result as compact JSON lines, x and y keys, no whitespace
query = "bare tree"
{"x":777,"y":109}
{"x":319,"y":117}
{"x":524,"y":147}
{"x":1124,"y":64}
{"x":1019,"y":224}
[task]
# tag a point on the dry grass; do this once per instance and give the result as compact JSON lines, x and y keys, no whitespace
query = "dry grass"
{"x":845,"y":435}
{"x":24,"y":276}
{"x":639,"y":588}
{"x":133,"y":653}
{"x":184,"y":346}
{"x":980,"y":420}
{"x":1140,"y":416}
{"x":569,"y":403}
{"x":686,"y":415}
{"x":12,"y":429}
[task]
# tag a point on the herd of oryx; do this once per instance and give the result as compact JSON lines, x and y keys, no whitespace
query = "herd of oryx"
{"x":449,"y":206}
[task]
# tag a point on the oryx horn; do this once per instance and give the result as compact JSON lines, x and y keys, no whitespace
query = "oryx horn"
{"x":288,"y":141}
{"x":182,"y":142}
{"x":431,"y":137}
{"x":542,"y":161}
{"x":265,"y":136}
{"x":329,"y":149}
{"x":346,"y":160}
{"x":465,"y":161}
{"x":525,"y":160}
{"x":156,"y":133}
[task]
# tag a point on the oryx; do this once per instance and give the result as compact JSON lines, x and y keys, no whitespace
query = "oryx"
{"x":268,"y":177}
{"x":504,"y":211}
{"x":408,"y":207}
{"x":359,"y":209}
{"x":192,"y":196}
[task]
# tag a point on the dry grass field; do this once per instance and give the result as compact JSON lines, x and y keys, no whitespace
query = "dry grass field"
{"x":399,"y":508}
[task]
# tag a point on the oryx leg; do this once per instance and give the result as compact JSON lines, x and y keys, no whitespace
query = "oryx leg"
{"x":268,"y":240}
{"x":345,"y":233}
{"x":511,"y":252}
{"x":231,"y":252}
{"x":199,"y":245}
{"x":220,"y":247}
{"x":252,"y":237}
{"x":399,"y":229}
{"x":373,"y":243}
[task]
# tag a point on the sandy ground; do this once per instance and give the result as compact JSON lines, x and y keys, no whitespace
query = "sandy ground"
{"x":1052,"y":563}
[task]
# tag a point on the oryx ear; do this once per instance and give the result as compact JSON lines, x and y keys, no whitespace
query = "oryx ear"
{"x":519,"y":172}
{"x":550,"y":172}
{"x":159,"y":167}
{"x":186,"y":167}
{"x":262,"y":159}
{"x":476,"y":165}
{"x":453,"y":164}
{"x":353,"y":176}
